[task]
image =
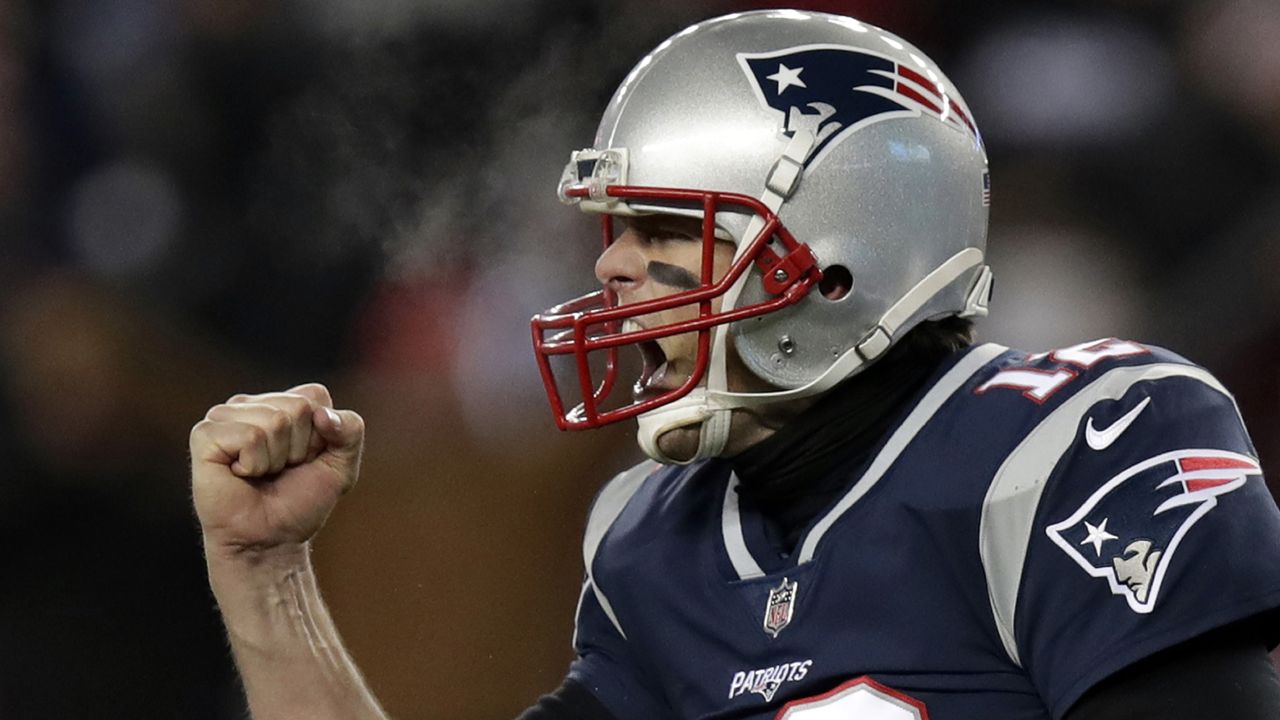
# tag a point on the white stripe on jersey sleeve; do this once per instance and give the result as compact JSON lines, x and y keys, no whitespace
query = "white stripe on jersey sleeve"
{"x":608,"y":506}
{"x":1009,"y":508}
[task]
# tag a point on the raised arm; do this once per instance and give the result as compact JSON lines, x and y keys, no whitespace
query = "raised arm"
{"x":266,"y":472}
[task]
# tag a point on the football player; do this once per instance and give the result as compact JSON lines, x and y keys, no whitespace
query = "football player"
{"x":851,"y":510}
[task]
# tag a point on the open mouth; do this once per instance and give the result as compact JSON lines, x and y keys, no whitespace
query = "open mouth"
{"x":653,"y":371}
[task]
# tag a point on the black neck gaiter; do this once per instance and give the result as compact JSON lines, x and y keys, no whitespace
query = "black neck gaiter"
{"x":791,"y":477}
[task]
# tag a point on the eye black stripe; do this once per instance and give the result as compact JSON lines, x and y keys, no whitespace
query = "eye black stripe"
{"x":672,"y":275}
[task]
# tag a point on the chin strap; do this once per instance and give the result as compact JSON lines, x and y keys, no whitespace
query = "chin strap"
{"x":712,"y":405}
{"x":689,"y":410}
{"x":890,"y":328}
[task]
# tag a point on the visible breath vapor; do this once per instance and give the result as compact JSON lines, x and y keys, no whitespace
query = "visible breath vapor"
{"x":441,"y":146}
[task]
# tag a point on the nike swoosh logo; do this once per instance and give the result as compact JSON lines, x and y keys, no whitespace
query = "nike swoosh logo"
{"x":1102,"y":439}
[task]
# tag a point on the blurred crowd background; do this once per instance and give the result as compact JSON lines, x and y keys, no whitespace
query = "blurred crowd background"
{"x":201,"y":197}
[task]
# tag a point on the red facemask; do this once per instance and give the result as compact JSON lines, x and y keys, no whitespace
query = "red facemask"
{"x":593,"y":323}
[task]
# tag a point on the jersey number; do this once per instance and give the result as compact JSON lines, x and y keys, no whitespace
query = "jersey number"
{"x":858,"y":699}
{"x":1038,"y":384}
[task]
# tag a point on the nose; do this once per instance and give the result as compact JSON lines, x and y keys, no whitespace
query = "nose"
{"x":622,"y":265}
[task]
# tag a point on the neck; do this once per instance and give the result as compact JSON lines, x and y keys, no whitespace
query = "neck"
{"x":791,"y":474}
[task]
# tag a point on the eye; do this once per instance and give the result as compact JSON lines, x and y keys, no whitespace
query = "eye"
{"x":670,"y":228}
{"x":633,"y":228}
{"x":676,"y":236}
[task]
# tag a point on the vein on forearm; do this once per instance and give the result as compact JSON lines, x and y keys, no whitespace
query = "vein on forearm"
{"x":285,"y":642}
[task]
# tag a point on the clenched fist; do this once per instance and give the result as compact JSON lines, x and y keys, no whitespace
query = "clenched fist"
{"x":266,"y":470}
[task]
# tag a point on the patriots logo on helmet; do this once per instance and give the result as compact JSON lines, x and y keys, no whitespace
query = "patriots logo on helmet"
{"x":832,"y":90}
{"x":1128,"y":531}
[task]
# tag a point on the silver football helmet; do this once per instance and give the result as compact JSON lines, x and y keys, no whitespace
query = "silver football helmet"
{"x":841,"y":162}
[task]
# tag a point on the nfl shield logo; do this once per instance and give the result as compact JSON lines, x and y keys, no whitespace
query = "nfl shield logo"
{"x":777,"y":613}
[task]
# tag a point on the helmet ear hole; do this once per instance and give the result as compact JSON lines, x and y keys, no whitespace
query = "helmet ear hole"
{"x":836,"y":282}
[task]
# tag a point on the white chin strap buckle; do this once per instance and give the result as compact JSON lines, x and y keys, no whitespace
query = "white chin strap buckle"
{"x":692,"y":409}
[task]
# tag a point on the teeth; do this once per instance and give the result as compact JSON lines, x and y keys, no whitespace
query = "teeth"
{"x":656,"y":366}
{"x":656,"y":378}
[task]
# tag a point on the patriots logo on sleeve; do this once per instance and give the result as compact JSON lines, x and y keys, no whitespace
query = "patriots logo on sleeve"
{"x":1128,"y":531}
{"x":832,"y":90}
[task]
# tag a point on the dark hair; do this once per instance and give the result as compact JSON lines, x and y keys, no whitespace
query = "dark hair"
{"x":936,"y":338}
{"x":905,"y":366}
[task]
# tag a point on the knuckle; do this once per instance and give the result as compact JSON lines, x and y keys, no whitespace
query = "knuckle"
{"x":239,"y":398}
{"x":200,"y":430}
{"x":256,"y":435}
{"x":280,"y":420}
{"x":317,"y":391}
{"x":298,"y":406}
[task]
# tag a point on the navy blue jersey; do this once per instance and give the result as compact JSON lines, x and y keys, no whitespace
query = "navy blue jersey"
{"x":1032,"y":525}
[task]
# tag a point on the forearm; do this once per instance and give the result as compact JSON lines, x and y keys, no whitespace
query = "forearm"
{"x":1225,"y":673}
{"x":285,"y":643}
